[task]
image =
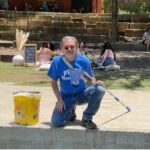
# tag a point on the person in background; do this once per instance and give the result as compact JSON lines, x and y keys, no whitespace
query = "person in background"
{"x":46,"y":54}
{"x":82,"y":48}
{"x":51,"y":46}
{"x":69,"y":70}
{"x":146,"y":39}
{"x":45,"y":7}
{"x":56,"y":8}
{"x":107,"y":56}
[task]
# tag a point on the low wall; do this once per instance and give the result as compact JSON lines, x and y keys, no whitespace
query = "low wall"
{"x":28,"y":138}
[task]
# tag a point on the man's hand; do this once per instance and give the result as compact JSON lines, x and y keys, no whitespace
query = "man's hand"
{"x":99,"y":82}
{"x":59,"y":107}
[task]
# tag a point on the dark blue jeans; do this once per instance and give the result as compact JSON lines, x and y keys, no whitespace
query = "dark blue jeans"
{"x":107,"y":62}
{"x":92,"y":95}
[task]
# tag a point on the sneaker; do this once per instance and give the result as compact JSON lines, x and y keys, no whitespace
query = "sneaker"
{"x":73,"y":117}
{"x":100,"y":67}
{"x":88,"y":124}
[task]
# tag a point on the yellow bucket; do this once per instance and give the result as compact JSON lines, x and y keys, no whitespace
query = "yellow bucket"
{"x":26,"y":107}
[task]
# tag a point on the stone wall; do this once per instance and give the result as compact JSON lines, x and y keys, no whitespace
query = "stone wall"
{"x":91,"y":28}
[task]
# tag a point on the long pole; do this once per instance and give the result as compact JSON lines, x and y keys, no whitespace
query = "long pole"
{"x":85,"y":74}
{"x":118,"y":100}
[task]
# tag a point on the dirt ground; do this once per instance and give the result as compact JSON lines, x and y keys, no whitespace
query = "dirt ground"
{"x":126,"y":59}
{"x":134,"y":59}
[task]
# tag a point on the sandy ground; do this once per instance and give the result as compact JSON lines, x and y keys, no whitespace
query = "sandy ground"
{"x":111,"y":115}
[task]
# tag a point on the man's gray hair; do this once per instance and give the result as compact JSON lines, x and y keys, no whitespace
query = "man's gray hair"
{"x":68,"y":37}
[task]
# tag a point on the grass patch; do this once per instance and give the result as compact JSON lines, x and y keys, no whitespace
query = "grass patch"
{"x":23,"y":75}
{"x":122,"y":79}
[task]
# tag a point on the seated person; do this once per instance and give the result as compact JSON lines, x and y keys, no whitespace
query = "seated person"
{"x":56,"y":8}
{"x":44,"y":7}
{"x":146,"y":39}
{"x":29,"y":7}
{"x":51,"y":46}
{"x":82,"y":49}
{"x":107,"y":56}
{"x":45,"y":56}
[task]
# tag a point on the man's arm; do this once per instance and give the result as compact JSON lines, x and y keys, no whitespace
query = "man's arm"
{"x":60,"y":106}
{"x":105,"y":55}
{"x":91,"y":80}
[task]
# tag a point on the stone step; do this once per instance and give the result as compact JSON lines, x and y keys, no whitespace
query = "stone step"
{"x":105,"y":25}
{"x":44,"y":17}
{"x":7,"y":35}
{"x":119,"y":46}
{"x":134,"y":32}
{"x":139,"y":25}
{"x":67,"y":30}
{"x":3,"y":20}
{"x":94,"y":19}
{"x":69,"y":24}
{"x":6,"y":43}
{"x":136,"y":46}
{"x":141,"y":19}
{"x":34,"y":23}
{"x":55,"y":34}
{"x":53,"y":18}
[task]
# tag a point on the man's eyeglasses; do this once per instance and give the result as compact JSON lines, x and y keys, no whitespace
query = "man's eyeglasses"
{"x":69,"y":46}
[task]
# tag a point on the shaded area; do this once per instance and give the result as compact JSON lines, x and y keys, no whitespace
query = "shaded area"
{"x":134,"y":72}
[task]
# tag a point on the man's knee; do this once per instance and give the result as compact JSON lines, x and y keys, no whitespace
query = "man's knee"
{"x":57,"y":120}
{"x":100,"y":90}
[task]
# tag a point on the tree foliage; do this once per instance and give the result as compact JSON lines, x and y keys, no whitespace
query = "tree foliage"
{"x":131,"y":6}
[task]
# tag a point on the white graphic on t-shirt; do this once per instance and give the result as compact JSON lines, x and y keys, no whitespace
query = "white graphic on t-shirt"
{"x":66,"y":74}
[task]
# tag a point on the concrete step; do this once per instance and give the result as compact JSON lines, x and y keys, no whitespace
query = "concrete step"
{"x":4,"y":43}
{"x":138,"y":25}
{"x":35,"y":23}
{"x":51,"y":17}
{"x":98,"y":19}
{"x":134,"y":32}
{"x":129,"y":46}
{"x":71,"y":138}
{"x":3,"y":20}
{"x":119,"y":46}
{"x":54,"y":35}
{"x":117,"y":128}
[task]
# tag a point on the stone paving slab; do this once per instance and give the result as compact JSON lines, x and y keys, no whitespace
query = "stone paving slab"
{"x":112,"y":116}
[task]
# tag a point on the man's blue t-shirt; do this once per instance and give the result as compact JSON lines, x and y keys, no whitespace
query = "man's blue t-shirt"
{"x":60,"y":71}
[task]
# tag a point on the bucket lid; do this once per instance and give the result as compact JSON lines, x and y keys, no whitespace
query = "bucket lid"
{"x":28,"y":94}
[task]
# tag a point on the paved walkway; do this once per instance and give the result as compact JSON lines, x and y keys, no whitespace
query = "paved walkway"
{"x":111,"y":116}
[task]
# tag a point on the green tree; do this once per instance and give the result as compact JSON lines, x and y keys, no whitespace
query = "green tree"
{"x":135,"y":6}
{"x":131,"y":6}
